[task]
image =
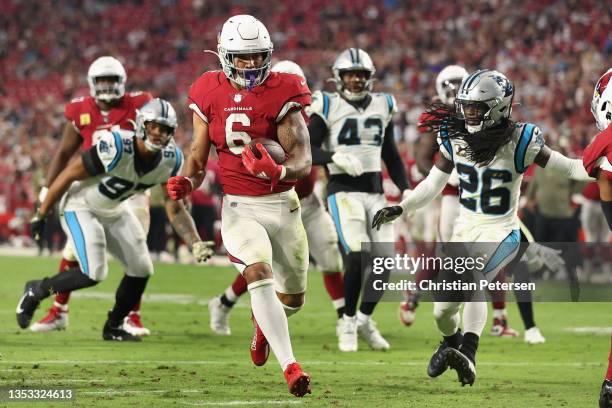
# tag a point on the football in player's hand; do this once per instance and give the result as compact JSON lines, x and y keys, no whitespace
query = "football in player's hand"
{"x":274,"y":149}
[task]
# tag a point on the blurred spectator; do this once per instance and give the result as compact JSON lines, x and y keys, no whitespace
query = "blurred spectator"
{"x":553,"y":51}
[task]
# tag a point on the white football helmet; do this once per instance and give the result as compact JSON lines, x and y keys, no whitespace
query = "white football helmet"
{"x":244,"y":34}
{"x":448,"y":81}
{"x":491,"y":92}
{"x":106,"y":67}
{"x":601,"y":105}
{"x":159,"y":111}
{"x":353,"y":59}
{"x":288,"y":67}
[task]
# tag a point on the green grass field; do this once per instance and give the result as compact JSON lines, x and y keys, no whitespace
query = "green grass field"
{"x":184,"y":364}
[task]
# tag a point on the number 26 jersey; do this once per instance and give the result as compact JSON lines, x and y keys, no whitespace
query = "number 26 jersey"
{"x":489,"y":194}
{"x":235,"y":117}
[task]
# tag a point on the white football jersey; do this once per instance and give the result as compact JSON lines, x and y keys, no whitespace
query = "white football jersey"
{"x":489,"y":194}
{"x":354,"y":130}
{"x":123,"y":175}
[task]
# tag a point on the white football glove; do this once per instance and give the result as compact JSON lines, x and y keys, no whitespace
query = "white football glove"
{"x":203,"y":250}
{"x":349,"y":163}
{"x":550,"y":257}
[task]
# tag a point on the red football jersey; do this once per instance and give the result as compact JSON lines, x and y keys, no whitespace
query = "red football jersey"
{"x":236,"y":117}
{"x":591,"y":191}
{"x":598,"y":155}
{"x":304,"y":187}
{"x":88,"y":118}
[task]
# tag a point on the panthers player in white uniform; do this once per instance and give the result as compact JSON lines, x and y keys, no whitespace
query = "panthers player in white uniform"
{"x":93,"y":190}
{"x":350,"y":130}
{"x":490,"y":153}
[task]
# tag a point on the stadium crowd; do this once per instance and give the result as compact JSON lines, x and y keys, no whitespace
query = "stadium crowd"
{"x":553,"y":51}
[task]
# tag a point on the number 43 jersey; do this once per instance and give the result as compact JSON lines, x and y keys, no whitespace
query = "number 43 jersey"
{"x":235,"y":117}
{"x":489,"y":194}
{"x":117,"y":172}
{"x":358,"y":131}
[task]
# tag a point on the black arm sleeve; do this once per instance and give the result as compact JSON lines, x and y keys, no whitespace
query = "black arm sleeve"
{"x":92,"y":162}
{"x":606,"y":206}
{"x":318,"y":131}
{"x":393,"y":161}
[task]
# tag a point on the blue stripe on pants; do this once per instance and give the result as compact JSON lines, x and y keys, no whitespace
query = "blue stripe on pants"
{"x":78,"y":238}
{"x":333,"y":207}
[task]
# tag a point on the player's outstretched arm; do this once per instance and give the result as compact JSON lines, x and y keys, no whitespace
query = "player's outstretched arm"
{"x":179,"y":187}
{"x":74,"y":172}
{"x":183,"y":224}
{"x":422,"y":195}
{"x":552,"y":160}
{"x":68,"y":147}
{"x":293,"y":136}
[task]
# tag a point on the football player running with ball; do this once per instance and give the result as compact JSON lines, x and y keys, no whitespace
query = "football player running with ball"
{"x":261,"y":223}
{"x":597,"y":161}
{"x":95,"y":217}
{"x":490,"y":153}
{"x":322,"y":242}
{"x":350,"y":131}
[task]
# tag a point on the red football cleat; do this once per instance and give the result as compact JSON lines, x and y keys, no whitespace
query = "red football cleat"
{"x":260,"y":350}
{"x":297,"y":380}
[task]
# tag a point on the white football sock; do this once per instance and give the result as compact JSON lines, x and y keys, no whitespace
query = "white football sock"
{"x":270,"y":315}
{"x":499,"y":313}
{"x":474,"y":317}
{"x":230,"y":295}
{"x":447,"y":317}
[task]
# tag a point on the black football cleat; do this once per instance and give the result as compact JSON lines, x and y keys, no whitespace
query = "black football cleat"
{"x":28,"y":302}
{"x":117,"y":333}
{"x":466,"y":370}
{"x":437,"y":365}
{"x":605,"y":396}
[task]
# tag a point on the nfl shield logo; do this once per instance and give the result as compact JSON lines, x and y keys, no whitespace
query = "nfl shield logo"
{"x":237,"y":98}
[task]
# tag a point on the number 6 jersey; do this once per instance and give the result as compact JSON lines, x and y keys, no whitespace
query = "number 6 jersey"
{"x":489,"y":194}
{"x":235,"y":117}
{"x":117,"y":172}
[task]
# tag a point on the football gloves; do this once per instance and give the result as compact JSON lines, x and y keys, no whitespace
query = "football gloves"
{"x":37,"y":226}
{"x":179,"y":187}
{"x":203,"y":250}
{"x":551,"y":258}
{"x":262,"y":166}
{"x":349,"y":163}
{"x":386,"y":215}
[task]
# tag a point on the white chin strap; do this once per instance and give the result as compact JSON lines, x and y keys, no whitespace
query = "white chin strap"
{"x":152,"y":147}
{"x":473,"y":128}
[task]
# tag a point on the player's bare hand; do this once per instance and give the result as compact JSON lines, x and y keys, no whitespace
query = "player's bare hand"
{"x":385,"y":215}
{"x":37,"y":226}
{"x":348,"y":163}
{"x":179,"y":187}
{"x":203,"y":250}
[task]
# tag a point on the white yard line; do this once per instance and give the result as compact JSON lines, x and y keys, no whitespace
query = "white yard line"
{"x":589,"y":330}
{"x":305,"y":363}
{"x":54,"y":381}
{"x":120,"y":392}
